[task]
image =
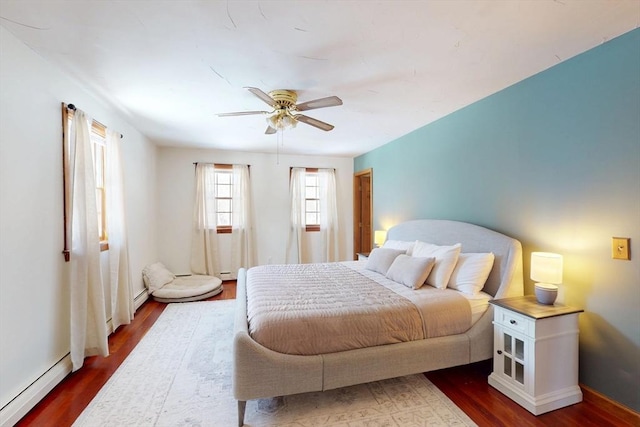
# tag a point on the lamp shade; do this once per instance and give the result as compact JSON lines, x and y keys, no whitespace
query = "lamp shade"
{"x":379,"y":236}
{"x":546,"y":267}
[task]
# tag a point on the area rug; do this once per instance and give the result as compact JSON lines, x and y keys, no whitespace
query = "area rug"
{"x":180,"y":375}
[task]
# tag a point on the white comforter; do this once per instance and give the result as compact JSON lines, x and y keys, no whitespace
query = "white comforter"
{"x":323,"y":308}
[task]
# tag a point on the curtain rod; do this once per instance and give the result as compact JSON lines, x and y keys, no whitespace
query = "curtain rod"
{"x":211,"y":163}
{"x":73,"y":107}
{"x":310,"y":167}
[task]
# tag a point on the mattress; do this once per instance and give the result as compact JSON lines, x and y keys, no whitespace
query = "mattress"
{"x":307,"y":309}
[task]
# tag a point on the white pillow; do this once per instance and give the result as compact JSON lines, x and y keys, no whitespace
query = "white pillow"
{"x":156,"y":276}
{"x":400,"y":244}
{"x":410,"y":271}
{"x":471,"y":272}
{"x":446,"y":258}
{"x":380,"y":259}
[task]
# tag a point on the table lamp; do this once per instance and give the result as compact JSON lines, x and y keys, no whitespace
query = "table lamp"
{"x":379,"y":236}
{"x":546,"y":270}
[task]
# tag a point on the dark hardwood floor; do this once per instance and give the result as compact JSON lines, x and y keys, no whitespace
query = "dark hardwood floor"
{"x":466,"y":386}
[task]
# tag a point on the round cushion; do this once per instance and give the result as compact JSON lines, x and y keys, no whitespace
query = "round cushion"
{"x":189,"y":288}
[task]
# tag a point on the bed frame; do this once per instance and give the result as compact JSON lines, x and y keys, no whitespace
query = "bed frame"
{"x":259,"y":372}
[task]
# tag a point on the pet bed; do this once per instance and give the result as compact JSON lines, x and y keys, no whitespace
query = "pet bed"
{"x":166,"y":287}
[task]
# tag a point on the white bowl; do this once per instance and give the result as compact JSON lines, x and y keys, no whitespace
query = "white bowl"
{"x":546,"y":293}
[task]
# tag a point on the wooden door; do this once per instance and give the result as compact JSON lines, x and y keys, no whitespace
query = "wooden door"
{"x":363,"y":212}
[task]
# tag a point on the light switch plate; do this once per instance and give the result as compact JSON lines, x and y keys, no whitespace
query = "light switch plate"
{"x":620,"y":248}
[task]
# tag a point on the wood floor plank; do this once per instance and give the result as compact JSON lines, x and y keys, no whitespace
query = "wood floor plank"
{"x":466,"y":386}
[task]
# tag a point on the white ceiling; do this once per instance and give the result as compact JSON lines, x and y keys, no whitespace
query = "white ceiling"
{"x":169,"y":66}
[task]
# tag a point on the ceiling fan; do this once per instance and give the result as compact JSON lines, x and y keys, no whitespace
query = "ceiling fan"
{"x":285,"y":112}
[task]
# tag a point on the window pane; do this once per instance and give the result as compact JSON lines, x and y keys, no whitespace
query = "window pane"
{"x":224,"y":205}
{"x":224,"y":190}
{"x":223,"y":178}
{"x":99,"y":209}
{"x":224,"y":218}
{"x":311,"y":192}
{"x":99,"y":165}
{"x":311,"y":180}
{"x":311,"y":219}
{"x":311,"y":206}
{"x":98,"y":168}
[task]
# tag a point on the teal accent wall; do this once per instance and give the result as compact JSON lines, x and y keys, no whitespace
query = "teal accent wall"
{"x":553,"y":161}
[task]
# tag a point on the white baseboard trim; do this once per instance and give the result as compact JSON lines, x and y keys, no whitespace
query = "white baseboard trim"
{"x":25,"y":401}
{"x":140,"y":299}
{"x":17,"y":408}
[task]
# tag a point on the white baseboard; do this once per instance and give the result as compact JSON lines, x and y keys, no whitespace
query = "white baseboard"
{"x":140,"y":299}
{"x":13,"y":411}
{"x":25,"y":401}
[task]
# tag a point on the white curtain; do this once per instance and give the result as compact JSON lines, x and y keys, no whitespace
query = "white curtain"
{"x":204,"y":244}
{"x":328,"y":214}
{"x":242,"y":246}
{"x":295,"y":246}
{"x":122,"y":306}
{"x":88,"y":314}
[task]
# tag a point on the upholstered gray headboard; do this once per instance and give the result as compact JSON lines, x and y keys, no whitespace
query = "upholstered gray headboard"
{"x":506,"y":278}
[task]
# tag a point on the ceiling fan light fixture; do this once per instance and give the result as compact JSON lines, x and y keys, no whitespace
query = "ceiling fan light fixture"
{"x":281,"y":120}
{"x":288,"y":121}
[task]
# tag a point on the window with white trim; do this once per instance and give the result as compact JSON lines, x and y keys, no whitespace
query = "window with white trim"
{"x":311,"y":200}
{"x":223,"y":187}
{"x":99,"y":144}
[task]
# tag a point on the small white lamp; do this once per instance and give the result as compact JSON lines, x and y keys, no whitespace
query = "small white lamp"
{"x":379,"y":236}
{"x":546,"y":270}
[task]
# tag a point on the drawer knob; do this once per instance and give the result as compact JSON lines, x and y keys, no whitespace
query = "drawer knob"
{"x":513,"y":322}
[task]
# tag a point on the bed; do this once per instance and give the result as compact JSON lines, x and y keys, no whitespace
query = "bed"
{"x":260,"y":372}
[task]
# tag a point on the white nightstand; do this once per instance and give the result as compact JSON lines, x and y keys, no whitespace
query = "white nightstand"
{"x":535,"y":360}
{"x":363,"y":256}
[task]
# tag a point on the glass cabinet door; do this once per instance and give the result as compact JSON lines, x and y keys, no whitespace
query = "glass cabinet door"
{"x":513,"y":357}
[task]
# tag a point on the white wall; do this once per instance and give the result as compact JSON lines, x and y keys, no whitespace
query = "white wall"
{"x":34,"y":292}
{"x":270,"y":188}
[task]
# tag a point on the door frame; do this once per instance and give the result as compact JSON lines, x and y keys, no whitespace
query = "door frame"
{"x":357,"y":209}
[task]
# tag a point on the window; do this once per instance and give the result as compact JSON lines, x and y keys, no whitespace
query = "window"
{"x":313,"y":208}
{"x":99,"y":143}
{"x":99,"y":148}
{"x":223,"y":196}
{"x":311,"y":200}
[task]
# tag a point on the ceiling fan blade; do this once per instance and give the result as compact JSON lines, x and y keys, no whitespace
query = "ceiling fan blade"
{"x":313,"y":122}
{"x":330,"y":101}
{"x":270,"y":131}
{"x":260,"y":94}
{"x":241,"y":113}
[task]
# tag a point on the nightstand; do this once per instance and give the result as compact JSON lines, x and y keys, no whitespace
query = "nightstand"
{"x":363,"y":256}
{"x":535,"y":360}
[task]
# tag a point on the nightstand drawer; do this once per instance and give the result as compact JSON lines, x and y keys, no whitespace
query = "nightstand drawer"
{"x":513,"y":321}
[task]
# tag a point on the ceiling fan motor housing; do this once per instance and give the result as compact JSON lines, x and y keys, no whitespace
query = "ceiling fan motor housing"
{"x":284,"y":98}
